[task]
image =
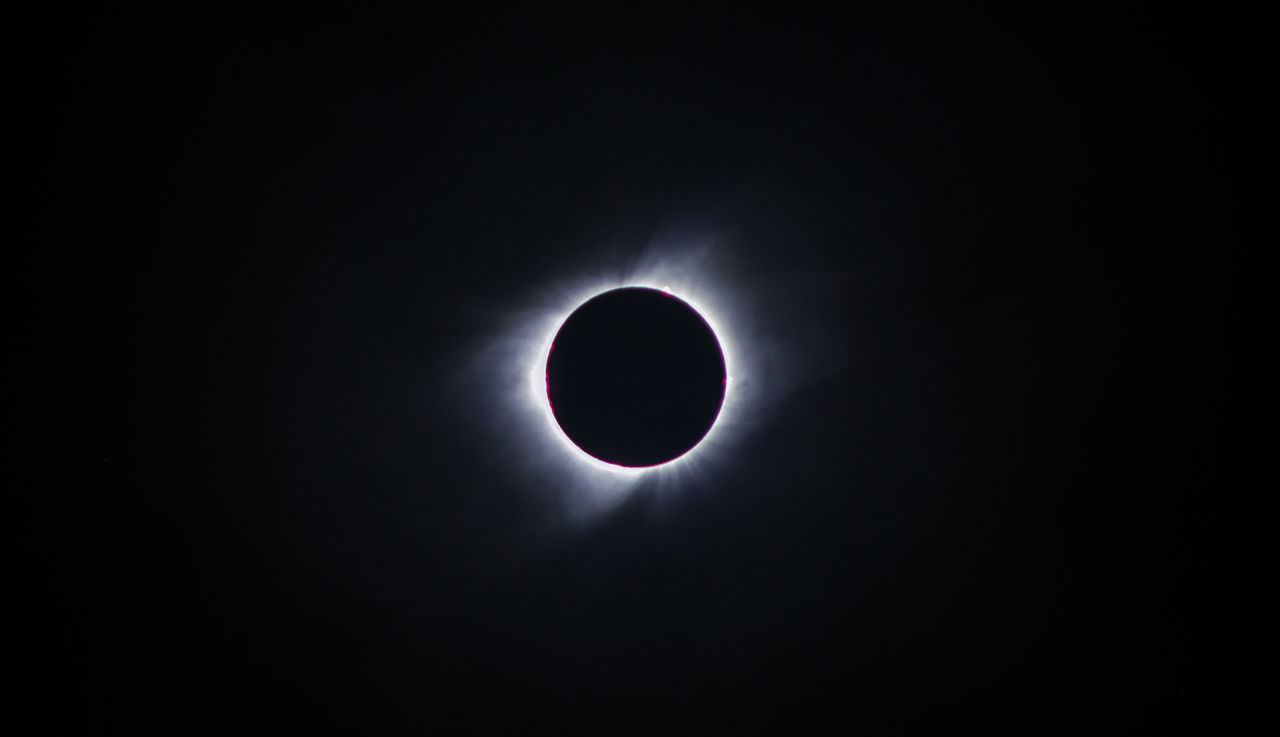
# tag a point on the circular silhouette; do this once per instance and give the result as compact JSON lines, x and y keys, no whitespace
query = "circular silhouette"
{"x":635,"y":377}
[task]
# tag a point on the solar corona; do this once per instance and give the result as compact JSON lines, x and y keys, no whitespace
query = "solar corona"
{"x":638,"y":373}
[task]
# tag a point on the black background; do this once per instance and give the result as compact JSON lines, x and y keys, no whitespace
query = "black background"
{"x":267,"y":242}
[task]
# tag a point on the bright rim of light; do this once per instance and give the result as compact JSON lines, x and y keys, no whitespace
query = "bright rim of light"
{"x":504,"y":378}
{"x":538,"y":385}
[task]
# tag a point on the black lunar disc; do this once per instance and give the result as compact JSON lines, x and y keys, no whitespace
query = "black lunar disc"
{"x":635,"y":377}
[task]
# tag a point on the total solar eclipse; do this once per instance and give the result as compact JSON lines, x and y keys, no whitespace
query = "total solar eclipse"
{"x":635,"y":377}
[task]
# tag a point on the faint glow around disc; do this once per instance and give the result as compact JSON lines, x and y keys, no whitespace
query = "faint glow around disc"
{"x":507,"y":371}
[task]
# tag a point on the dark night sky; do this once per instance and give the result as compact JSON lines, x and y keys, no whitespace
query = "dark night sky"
{"x":270,"y":244}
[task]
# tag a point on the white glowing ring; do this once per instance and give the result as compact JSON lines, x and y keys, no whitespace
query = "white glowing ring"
{"x":507,"y":371}
{"x":538,"y":386}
